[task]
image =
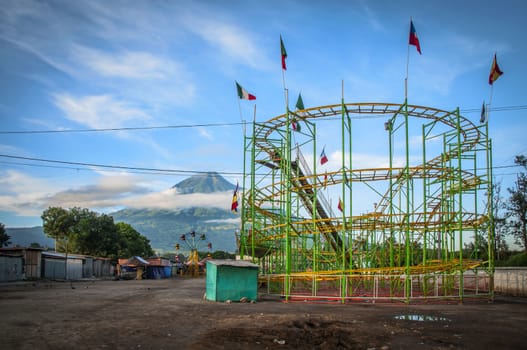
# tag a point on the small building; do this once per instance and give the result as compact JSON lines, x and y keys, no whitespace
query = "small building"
{"x":32,"y":267}
{"x":102,"y":267}
{"x":231,"y":280}
{"x":11,"y":267}
{"x":133,"y":268}
{"x":54,"y":266}
{"x":158,"y":267}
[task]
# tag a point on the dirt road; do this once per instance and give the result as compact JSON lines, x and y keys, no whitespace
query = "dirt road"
{"x":171,"y":314}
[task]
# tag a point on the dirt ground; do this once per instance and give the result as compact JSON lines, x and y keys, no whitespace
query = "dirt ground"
{"x":172,"y":314}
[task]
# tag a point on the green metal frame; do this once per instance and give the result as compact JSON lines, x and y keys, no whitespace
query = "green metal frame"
{"x":411,"y":247}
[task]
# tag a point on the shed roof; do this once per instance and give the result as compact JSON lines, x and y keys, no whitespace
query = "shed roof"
{"x":230,"y":262}
{"x":137,"y":260}
{"x":56,"y":255}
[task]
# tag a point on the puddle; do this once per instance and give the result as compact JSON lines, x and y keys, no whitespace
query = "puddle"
{"x":421,"y":318}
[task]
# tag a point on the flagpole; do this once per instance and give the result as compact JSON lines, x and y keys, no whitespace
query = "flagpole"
{"x":490,"y":97}
{"x":407,"y":65}
{"x":283,"y":79}
{"x":344,"y":204}
{"x":240,"y":109}
{"x":490,"y":102}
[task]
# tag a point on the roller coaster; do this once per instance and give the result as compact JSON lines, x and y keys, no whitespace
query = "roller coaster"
{"x":428,"y":235}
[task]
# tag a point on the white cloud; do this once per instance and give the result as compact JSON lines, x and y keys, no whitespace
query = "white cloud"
{"x":23,"y":194}
{"x":127,"y":64}
{"x":233,"y":41}
{"x":205,"y":133}
{"x":226,"y":221}
{"x":29,"y":196}
{"x":170,"y":199}
{"x":372,"y":17}
{"x":101,"y":111}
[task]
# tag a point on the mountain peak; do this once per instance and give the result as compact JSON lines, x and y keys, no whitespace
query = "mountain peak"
{"x":204,"y":183}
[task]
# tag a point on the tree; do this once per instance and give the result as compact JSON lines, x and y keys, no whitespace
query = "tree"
{"x":82,"y":231}
{"x":516,"y":205}
{"x":131,"y":242}
{"x":501,"y":248}
{"x":58,"y":224}
{"x":479,"y":248}
{"x":96,"y":234}
{"x":4,"y":237}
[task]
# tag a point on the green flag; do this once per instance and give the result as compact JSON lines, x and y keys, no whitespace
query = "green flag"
{"x":299,"y":102}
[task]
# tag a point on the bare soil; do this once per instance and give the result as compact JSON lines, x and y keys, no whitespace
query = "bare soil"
{"x":172,"y":314}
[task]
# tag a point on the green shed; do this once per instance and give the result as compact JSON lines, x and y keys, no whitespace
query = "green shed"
{"x":231,"y":280}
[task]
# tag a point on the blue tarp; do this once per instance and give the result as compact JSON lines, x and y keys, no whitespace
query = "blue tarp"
{"x":158,"y":272}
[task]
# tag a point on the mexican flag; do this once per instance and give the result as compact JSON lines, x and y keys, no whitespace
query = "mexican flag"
{"x":243,"y":94}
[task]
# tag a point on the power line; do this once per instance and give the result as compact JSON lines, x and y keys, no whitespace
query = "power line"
{"x":13,"y":132}
{"x":88,"y":169}
{"x":140,"y":170}
{"x":120,"y":167}
{"x":120,"y":129}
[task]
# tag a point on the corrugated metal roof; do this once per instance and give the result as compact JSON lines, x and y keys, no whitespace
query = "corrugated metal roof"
{"x":230,"y":262}
{"x":136,"y":259}
{"x":62,"y":255}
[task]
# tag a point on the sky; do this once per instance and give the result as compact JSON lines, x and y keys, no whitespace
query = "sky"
{"x":158,"y":77}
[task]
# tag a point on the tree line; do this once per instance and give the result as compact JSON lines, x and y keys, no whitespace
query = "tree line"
{"x":82,"y":231}
{"x":510,"y":216}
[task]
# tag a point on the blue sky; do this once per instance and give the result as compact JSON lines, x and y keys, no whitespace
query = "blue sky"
{"x":70,"y":65}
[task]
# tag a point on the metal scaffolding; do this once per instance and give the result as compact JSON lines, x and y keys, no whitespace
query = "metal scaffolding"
{"x":429,"y":236}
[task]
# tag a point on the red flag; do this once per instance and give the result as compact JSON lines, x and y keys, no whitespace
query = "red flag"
{"x":283,"y":52}
{"x":414,"y":40}
{"x":340,"y":205}
{"x":323,"y":158}
{"x":234,"y":204}
{"x":495,"y":71}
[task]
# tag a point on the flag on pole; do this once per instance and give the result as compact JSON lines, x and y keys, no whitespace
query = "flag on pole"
{"x":243,"y":94}
{"x":295,"y":125}
{"x":299,"y":103}
{"x":323,"y":158}
{"x":414,"y":40}
{"x":234,"y":204}
{"x":340,"y":206}
{"x":283,"y":52}
{"x":299,"y":106}
{"x":483,"y":117}
{"x":495,"y":71}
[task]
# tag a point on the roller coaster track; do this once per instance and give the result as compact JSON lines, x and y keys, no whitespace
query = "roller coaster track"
{"x":305,"y":184}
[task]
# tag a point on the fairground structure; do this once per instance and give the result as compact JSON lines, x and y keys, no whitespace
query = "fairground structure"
{"x":428,"y":233}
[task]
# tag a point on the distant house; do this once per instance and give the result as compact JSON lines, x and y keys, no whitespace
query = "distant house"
{"x":37,"y":263}
{"x":158,"y":268}
{"x":32,"y":260}
{"x":55,"y":266}
{"x":132,"y":268}
{"x":11,"y":267}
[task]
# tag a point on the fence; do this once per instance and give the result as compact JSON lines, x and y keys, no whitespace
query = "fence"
{"x":511,"y":281}
{"x":377,"y":287}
